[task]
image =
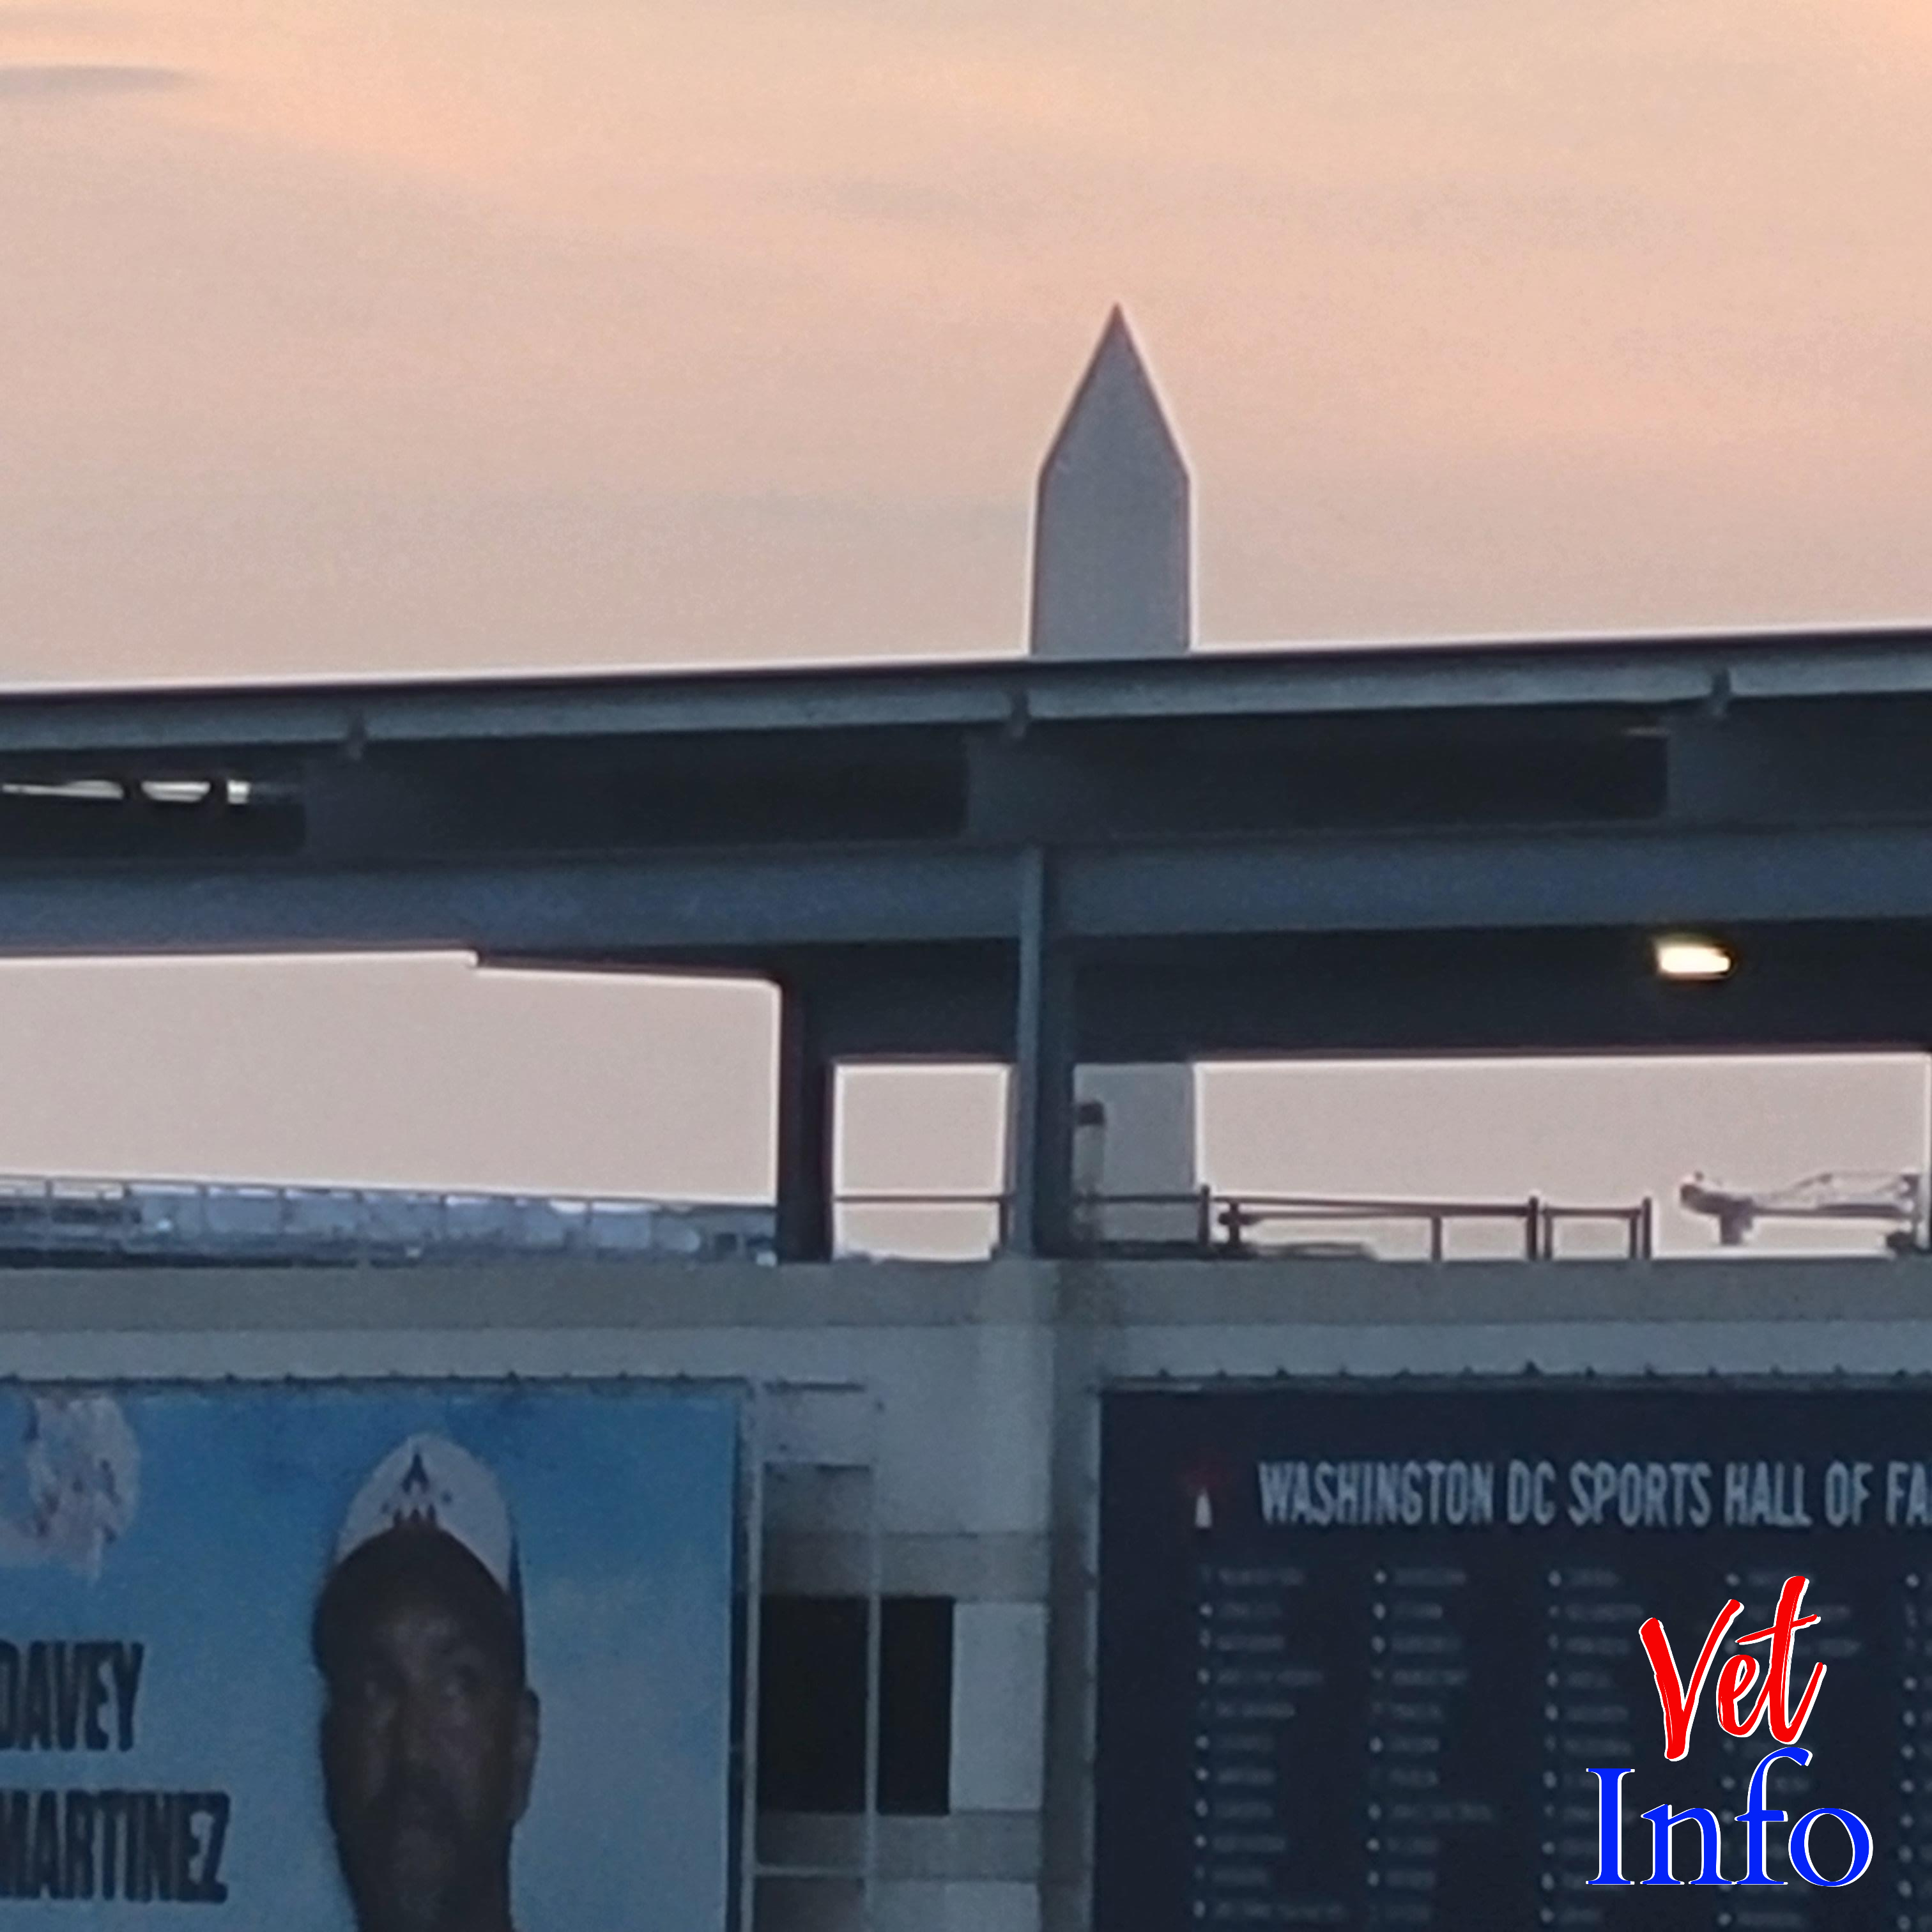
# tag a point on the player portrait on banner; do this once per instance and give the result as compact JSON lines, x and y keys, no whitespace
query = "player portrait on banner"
{"x":429,"y":1729}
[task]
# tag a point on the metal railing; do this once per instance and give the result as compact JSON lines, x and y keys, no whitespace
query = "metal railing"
{"x":1206,"y":1222}
{"x":67,"y":1219}
{"x":64,"y":1218}
{"x":1535,"y":1223}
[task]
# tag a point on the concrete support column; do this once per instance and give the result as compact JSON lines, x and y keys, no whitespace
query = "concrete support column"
{"x":1042,"y":1139}
{"x":1067,"y":1839}
{"x":807,"y":1129}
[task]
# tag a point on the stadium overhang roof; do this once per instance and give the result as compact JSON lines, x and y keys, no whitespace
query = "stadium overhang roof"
{"x":1449,"y":847}
{"x":1305,"y":680}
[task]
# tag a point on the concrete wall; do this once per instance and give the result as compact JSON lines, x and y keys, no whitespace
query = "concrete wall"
{"x":983,"y":1380}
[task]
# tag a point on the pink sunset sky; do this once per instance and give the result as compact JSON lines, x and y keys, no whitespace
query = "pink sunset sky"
{"x":449,"y":334}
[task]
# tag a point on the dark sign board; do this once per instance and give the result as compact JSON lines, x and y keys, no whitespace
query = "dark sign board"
{"x":1361,"y":1647}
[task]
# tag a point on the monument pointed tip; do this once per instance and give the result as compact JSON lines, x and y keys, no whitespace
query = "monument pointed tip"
{"x":1117,"y":378}
{"x":1110,"y":560}
{"x":1117,"y":340}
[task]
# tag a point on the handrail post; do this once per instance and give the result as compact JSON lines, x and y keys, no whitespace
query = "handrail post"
{"x":1533,"y":1229}
{"x":1204,"y":1217}
{"x":1232,"y":1218}
{"x":1438,"y":1230}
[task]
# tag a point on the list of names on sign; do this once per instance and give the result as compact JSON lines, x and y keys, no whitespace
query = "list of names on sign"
{"x":1370,"y":1656}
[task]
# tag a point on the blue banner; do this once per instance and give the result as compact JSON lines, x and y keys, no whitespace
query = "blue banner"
{"x":390,"y":1656}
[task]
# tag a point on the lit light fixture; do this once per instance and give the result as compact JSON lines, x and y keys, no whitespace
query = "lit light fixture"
{"x":1689,"y":955}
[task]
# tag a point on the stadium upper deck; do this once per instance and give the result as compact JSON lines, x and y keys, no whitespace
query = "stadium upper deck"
{"x":1463,"y":846}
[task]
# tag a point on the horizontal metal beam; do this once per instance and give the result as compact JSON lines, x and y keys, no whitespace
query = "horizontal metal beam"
{"x":1792,"y":989}
{"x":726,"y":906}
{"x":1795,"y":988}
{"x":429,"y":711}
{"x":734,"y":903}
{"x":1640,"y":876}
{"x":1644,"y":672}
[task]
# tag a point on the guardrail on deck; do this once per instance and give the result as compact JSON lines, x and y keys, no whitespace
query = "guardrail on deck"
{"x":72,"y":1220}
{"x":67,"y":1219}
{"x":1208,"y":1222}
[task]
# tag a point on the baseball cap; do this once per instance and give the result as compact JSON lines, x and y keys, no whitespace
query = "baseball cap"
{"x":429,"y":1517}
